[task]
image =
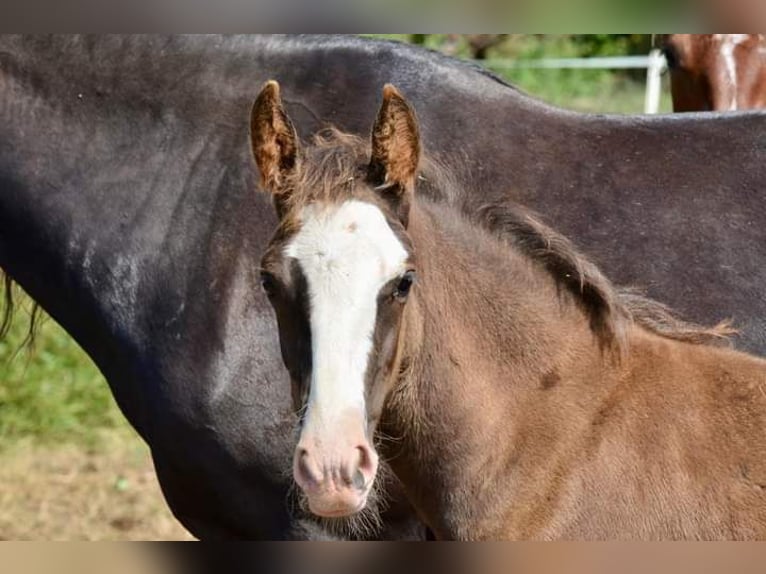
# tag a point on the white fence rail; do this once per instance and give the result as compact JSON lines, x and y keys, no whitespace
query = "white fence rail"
{"x":654,"y":63}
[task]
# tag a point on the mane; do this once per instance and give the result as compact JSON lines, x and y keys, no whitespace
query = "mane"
{"x":334,"y":167}
{"x":611,"y":310}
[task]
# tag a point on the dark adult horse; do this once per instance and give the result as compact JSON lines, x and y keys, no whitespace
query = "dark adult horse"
{"x":127,"y":210}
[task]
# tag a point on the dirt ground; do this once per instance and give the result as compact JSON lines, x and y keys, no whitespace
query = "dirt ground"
{"x":72,"y":492}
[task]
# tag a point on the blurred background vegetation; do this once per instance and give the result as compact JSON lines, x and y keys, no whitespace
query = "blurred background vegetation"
{"x":601,"y":91}
{"x":52,"y":398}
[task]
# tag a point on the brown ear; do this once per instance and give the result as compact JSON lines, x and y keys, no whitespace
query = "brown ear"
{"x":395,"y":150}
{"x":273,"y":140}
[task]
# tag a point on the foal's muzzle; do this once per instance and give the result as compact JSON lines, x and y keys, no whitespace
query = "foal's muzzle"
{"x":336,"y":478}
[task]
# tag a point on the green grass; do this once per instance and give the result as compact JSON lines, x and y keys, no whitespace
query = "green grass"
{"x":51,"y":392}
{"x":586,"y":90}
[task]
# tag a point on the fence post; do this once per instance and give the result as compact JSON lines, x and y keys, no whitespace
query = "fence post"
{"x":654,"y":71}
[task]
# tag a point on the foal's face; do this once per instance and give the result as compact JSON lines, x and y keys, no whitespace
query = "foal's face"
{"x":338,"y":285}
{"x":338,"y":274}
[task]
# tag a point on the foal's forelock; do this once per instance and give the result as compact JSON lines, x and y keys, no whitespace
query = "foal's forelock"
{"x":332,"y":170}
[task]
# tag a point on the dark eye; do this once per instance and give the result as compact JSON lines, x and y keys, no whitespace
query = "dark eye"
{"x":268,"y":283}
{"x":404,"y":285}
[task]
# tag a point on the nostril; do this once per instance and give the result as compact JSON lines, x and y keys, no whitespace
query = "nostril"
{"x":364,"y":470}
{"x":360,"y":469}
{"x":305,"y":472}
{"x":351,"y":469}
{"x":366,"y":460}
{"x":359,"y":480}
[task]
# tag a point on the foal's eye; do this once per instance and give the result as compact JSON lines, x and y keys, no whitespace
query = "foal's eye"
{"x":404,"y":285}
{"x":268,"y":283}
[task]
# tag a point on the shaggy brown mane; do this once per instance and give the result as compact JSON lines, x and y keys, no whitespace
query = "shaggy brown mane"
{"x":596,"y":295}
{"x":327,"y":171}
{"x":334,"y":166}
{"x":610,"y":309}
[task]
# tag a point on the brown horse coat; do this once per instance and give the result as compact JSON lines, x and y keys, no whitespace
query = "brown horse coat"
{"x":716,"y":72}
{"x":516,"y":425}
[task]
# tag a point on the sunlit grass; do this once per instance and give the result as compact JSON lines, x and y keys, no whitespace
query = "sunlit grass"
{"x":586,"y":90}
{"x":51,"y":391}
{"x":71,"y":467}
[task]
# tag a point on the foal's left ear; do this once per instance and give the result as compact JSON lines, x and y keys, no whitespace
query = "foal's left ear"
{"x":395,"y":151}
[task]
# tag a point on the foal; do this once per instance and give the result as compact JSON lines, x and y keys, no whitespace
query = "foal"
{"x":526,"y":397}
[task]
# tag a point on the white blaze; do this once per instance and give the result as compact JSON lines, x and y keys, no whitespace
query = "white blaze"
{"x":729,"y":43}
{"x":347,"y":252}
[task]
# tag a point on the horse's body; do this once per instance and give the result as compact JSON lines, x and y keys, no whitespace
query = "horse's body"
{"x":527,"y":397}
{"x":126,"y":210}
{"x":719,"y":72}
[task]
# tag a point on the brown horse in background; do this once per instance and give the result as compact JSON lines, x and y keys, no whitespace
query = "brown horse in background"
{"x":519,"y":394}
{"x":716,"y":72}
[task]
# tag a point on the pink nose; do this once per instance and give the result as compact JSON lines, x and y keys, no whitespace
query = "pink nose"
{"x":335,"y":483}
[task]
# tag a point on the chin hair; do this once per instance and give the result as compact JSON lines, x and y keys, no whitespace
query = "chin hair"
{"x":364,"y":525}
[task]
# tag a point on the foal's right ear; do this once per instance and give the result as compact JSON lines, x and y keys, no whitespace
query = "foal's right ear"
{"x":274,"y":142}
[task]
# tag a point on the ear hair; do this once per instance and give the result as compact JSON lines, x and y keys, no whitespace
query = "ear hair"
{"x":395,"y":151}
{"x":274,"y":142}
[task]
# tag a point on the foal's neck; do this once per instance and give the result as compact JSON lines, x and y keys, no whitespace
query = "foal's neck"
{"x":489,"y":332}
